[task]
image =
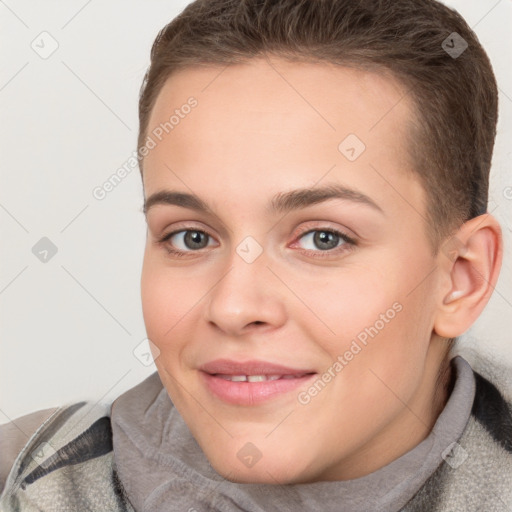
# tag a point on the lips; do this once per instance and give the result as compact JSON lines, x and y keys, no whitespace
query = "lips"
{"x":228,"y":367}
{"x":251,"y":382}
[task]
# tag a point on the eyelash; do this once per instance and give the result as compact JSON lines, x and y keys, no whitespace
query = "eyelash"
{"x":349,"y":244}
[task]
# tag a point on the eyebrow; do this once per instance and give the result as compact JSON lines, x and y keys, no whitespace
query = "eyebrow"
{"x":280,"y":203}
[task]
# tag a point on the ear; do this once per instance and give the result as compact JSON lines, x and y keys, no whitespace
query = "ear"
{"x":470,"y":263}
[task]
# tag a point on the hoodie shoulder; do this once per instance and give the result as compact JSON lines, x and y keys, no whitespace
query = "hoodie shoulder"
{"x":15,"y":435}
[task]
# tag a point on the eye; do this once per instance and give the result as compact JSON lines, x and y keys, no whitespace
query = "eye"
{"x":325,"y":240}
{"x":185,"y":241}
{"x":320,"y":242}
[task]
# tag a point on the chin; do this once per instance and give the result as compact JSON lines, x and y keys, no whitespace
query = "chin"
{"x":253,"y":476}
{"x":262,"y":472}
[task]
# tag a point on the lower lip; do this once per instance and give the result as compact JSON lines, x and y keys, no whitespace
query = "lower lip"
{"x":251,"y":393}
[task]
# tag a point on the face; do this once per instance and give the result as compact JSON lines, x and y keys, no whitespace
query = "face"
{"x":287,"y":285}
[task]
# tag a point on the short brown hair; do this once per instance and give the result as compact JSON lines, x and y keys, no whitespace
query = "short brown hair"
{"x":456,"y":97}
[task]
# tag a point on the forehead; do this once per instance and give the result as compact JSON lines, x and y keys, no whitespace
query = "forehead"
{"x":268,"y":123}
{"x":276,"y":89}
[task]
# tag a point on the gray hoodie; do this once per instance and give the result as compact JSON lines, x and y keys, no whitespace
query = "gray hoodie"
{"x":138,"y":454}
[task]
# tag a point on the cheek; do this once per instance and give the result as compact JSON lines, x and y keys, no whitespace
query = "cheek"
{"x":155,"y":296}
{"x":370,"y":315}
{"x":168,"y":300}
{"x":351,"y":301}
{"x":392,"y":359}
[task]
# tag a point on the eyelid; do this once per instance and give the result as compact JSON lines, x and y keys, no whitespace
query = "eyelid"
{"x":183,"y":226}
{"x":164,"y":238}
{"x":319,"y":226}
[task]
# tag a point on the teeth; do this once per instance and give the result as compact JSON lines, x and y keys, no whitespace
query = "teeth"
{"x":255,"y":378}
{"x":237,"y":378}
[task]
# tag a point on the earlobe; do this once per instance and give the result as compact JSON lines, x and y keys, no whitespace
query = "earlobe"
{"x":470,"y":268}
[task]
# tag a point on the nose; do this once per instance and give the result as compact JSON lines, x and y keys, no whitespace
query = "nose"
{"x":246,"y":297}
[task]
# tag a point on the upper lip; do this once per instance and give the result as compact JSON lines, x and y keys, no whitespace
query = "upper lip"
{"x":254,"y":367}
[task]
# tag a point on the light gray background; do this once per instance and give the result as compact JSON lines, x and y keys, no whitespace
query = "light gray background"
{"x":69,"y":327}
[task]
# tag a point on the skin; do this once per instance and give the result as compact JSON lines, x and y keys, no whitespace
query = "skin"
{"x":265,"y":128}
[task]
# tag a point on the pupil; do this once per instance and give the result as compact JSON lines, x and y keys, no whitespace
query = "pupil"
{"x":325,"y":240}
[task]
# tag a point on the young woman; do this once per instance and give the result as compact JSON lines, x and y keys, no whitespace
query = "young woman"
{"x":315,"y":178}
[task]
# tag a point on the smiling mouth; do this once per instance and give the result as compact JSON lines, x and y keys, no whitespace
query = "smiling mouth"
{"x":253,"y":390}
